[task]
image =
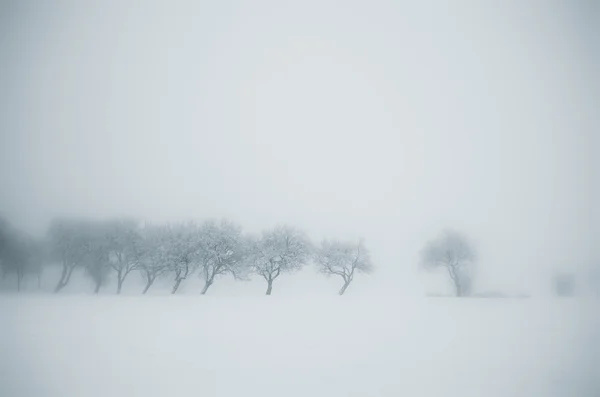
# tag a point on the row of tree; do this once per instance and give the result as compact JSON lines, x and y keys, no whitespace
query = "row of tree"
{"x":177,"y":250}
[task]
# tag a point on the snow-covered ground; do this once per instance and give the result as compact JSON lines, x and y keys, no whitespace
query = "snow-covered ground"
{"x":109,"y":346}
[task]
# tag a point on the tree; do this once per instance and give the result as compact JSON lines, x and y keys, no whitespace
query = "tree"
{"x":564,"y":284}
{"x":281,"y":250}
{"x":343,"y":259}
{"x":98,"y":265}
{"x":221,"y":251}
{"x":90,"y":246}
{"x":96,"y":246}
{"x":183,"y":247}
{"x":124,"y":247}
{"x":18,"y":254}
{"x":451,"y":250}
{"x":154,"y":254}
{"x":65,"y":239}
{"x":13,"y":252}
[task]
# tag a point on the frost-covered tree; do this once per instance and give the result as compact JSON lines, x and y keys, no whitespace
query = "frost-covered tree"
{"x":184,"y":244}
{"x":343,"y":259}
{"x":66,"y":242}
{"x":154,"y":253}
{"x":97,"y":263}
{"x":281,"y":250}
{"x":222,"y":251}
{"x":19,"y":254}
{"x":124,"y":242}
{"x":94,"y":247}
{"x":80,"y":242}
{"x":452,"y":251}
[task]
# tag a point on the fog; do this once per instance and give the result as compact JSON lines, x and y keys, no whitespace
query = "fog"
{"x":383,"y":120}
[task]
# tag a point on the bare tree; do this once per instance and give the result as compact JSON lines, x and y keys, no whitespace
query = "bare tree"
{"x":97,"y":264}
{"x":222,"y":251}
{"x":451,"y":250}
{"x":281,"y":250}
{"x":343,"y":259}
{"x":184,"y":245}
{"x":65,"y":239}
{"x":154,"y":254}
{"x":13,"y":256}
{"x":93,"y":237}
{"x":18,"y":254}
{"x":124,"y":247}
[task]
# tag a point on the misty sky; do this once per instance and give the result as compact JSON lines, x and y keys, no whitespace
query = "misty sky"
{"x":379,"y":119}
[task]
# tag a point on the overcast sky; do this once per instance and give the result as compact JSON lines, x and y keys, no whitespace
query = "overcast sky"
{"x":380,"y":119}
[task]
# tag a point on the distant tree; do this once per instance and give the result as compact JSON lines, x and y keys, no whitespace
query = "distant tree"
{"x":96,"y":248}
{"x":343,"y":259}
{"x":452,"y":251}
{"x":19,"y":259}
{"x":38,"y":257}
{"x":281,"y":250}
{"x":124,"y":241}
{"x":183,"y":247}
{"x":67,"y":245}
{"x":222,"y":251}
{"x":564,"y":284}
{"x":154,"y":253}
{"x":20,"y":255}
{"x":98,"y":266}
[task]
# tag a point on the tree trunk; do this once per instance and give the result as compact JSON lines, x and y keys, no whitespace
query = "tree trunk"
{"x":463,"y":288}
{"x":346,"y":284}
{"x":64,"y":280}
{"x":59,"y":286}
{"x":269,"y":286}
{"x":97,"y":289}
{"x":61,"y":283}
{"x":207,"y":285}
{"x":18,"y":281}
{"x":455,"y":277}
{"x":120,"y":280}
{"x":176,"y":286}
{"x":148,"y":285}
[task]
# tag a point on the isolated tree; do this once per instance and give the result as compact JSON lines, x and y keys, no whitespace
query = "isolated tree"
{"x":221,"y":251}
{"x":183,"y":251}
{"x":66,"y":240}
{"x":281,"y":250}
{"x":124,"y":247}
{"x":154,"y":254}
{"x":451,"y":250}
{"x":343,"y":259}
